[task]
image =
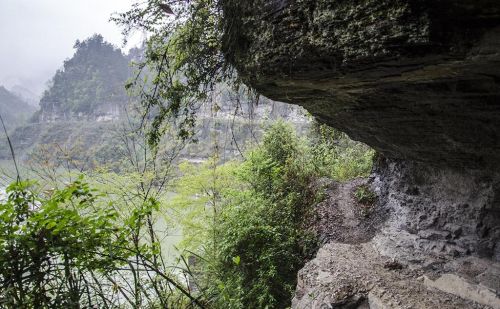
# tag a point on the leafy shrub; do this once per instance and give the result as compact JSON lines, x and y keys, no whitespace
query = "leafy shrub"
{"x":263,"y":230}
{"x":336,"y":156}
{"x":364,"y":195}
{"x":244,"y":221}
{"x":70,"y":248}
{"x":49,"y":245}
{"x":252,"y":215}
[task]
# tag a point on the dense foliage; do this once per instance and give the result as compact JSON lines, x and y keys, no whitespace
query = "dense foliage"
{"x":72,"y":248}
{"x":242,"y":223}
{"x":95,"y":76}
{"x":52,"y":244}
{"x":337,"y":156}
{"x":129,"y":207}
{"x":245,"y":221}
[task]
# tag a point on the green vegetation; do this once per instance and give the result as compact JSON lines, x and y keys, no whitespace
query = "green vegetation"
{"x":65,"y":245}
{"x":364,"y":195}
{"x":337,"y":156}
{"x":184,"y":57}
{"x":95,"y":76}
{"x":245,"y":221}
{"x":242,"y":222}
{"x":85,"y":144}
{"x":52,"y":243}
{"x":70,"y":248}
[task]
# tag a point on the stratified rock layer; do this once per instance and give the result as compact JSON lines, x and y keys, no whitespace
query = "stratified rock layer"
{"x":414,"y":79}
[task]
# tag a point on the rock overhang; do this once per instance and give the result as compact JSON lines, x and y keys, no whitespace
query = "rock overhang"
{"x":416,"y":80}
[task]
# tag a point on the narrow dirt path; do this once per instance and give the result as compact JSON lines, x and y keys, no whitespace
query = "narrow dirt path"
{"x":341,"y":218}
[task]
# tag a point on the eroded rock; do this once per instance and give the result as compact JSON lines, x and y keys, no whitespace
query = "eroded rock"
{"x":418,"y":80}
{"x":350,"y":276}
{"x":437,"y":212}
{"x":414,"y":79}
{"x":381,"y":260}
{"x":461,"y":287}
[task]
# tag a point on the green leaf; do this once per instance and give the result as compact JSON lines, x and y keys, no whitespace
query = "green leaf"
{"x":50,"y":225}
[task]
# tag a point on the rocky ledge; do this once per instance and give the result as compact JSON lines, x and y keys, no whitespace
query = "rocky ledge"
{"x":430,"y":239}
{"x":357,"y":276}
{"x":417,"y":245}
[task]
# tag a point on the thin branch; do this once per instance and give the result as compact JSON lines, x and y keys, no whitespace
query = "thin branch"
{"x":11,"y":149}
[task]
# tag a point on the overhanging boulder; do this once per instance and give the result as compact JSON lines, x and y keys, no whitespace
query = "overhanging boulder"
{"x":414,"y":79}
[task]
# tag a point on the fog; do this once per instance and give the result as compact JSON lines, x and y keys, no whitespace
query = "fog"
{"x":38,"y":35}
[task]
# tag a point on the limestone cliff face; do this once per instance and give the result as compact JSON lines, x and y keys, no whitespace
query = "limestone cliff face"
{"x":419,"y":81}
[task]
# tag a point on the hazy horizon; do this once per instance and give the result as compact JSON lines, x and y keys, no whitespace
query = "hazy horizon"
{"x":39,"y":35}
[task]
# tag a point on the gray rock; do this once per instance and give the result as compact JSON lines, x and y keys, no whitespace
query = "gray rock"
{"x":417,"y":80}
{"x":384,"y":265}
{"x":457,"y":285}
{"x":350,"y":276}
{"x":454,"y":214}
{"x":414,"y":79}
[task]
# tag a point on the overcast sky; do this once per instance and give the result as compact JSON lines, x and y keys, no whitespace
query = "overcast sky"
{"x":36,"y":36}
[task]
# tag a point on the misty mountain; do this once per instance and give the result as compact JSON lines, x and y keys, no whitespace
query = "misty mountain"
{"x":26,"y":95}
{"x":90,"y":84}
{"x":81,"y":112}
{"x":13,"y":109}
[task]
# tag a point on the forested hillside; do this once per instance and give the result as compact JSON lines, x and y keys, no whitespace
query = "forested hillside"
{"x":91,"y":83}
{"x":86,"y":110}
